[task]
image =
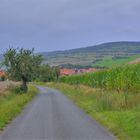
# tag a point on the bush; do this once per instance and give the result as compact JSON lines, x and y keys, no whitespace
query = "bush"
{"x":12,"y":103}
{"x":15,"y":89}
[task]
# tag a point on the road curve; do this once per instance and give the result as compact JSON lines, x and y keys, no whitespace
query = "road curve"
{"x":52,"y":116}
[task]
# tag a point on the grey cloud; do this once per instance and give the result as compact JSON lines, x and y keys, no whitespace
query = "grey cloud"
{"x":63,"y":24}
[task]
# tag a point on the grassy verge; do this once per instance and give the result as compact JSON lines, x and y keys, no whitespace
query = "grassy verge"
{"x":107,"y":107}
{"x":12,"y":103}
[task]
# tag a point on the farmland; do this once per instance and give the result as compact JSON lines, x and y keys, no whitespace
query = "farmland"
{"x":125,"y":78}
{"x":103,"y":55}
{"x":108,"y":55}
{"x":109,"y":62}
{"x":110,"y":96}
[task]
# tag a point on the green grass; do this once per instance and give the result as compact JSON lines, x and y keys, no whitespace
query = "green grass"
{"x":107,"y":107}
{"x":109,"y":62}
{"x":11,"y":104}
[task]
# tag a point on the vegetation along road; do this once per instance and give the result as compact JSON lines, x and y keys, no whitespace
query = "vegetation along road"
{"x":52,"y":116}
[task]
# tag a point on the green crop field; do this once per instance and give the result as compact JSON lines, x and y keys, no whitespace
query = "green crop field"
{"x":125,"y":78}
{"x":109,"y":62}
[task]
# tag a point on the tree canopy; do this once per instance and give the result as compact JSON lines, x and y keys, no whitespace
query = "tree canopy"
{"x":47,"y":73}
{"x":22,"y":64}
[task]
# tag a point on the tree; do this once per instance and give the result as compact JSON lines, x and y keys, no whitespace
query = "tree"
{"x":57,"y":72}
{"x":22,"y":64}
{"x":47,"y":73}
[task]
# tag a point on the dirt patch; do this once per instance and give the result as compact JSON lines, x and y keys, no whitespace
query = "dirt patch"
{"x":6,"y":84}
{"x":135,"y":61}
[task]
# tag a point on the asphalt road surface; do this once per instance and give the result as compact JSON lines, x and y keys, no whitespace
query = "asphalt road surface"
{"x":52,"y":116}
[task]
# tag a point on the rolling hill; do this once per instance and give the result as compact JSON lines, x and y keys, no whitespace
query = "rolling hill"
{"x":103,"y":55}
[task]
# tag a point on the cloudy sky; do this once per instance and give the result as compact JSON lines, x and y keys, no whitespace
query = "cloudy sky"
{"x":49,"y":25}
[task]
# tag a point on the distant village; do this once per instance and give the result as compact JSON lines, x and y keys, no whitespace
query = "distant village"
{"x":68,"y":72}
{"x":63,"y":72}
{"x":2,"y":75}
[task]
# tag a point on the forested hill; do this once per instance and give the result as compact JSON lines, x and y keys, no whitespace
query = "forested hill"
{"x":98,"y":55}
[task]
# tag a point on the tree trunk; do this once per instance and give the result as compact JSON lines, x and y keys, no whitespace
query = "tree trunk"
{"x":24,"y":86}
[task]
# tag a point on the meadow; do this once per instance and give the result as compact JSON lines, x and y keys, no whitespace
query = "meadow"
{"x":109,"y":62}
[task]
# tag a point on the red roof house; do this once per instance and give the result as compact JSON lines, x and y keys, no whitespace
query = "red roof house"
{"x":67,"y":72}
{"x":2,"y":73}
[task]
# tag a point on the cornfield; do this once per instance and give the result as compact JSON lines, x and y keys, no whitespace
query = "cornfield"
{"x":126,"y":78}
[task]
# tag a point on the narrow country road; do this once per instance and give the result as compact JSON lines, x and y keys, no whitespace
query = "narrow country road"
{"x":52,"y":116}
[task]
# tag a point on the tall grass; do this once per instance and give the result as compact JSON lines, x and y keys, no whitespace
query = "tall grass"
{"x":126,"y":78}
{"x":12,"y":103}
{"x":114,"y":99}
{"x":107,"y":107}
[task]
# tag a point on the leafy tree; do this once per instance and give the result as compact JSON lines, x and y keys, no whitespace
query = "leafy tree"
{"x":3,"y":78}
{"x":57,"y":72}
{"x":22,"y":65}
{"x":47,"y":73}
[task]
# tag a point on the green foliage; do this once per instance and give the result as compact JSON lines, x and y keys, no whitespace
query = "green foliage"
{"x":22,"y":65}
{"x":126,"y":78}
{"x":3,"y":78}
{"x":16,"y":90}
{"x":47,"y":74}
{"x":12,"y":104}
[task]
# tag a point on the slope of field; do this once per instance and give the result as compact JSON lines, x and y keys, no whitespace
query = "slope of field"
{"x":109,"y":62}
{"x":104,"y":55}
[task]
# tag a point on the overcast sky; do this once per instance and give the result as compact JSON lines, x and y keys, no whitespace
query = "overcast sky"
{"x":48,"y":25}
